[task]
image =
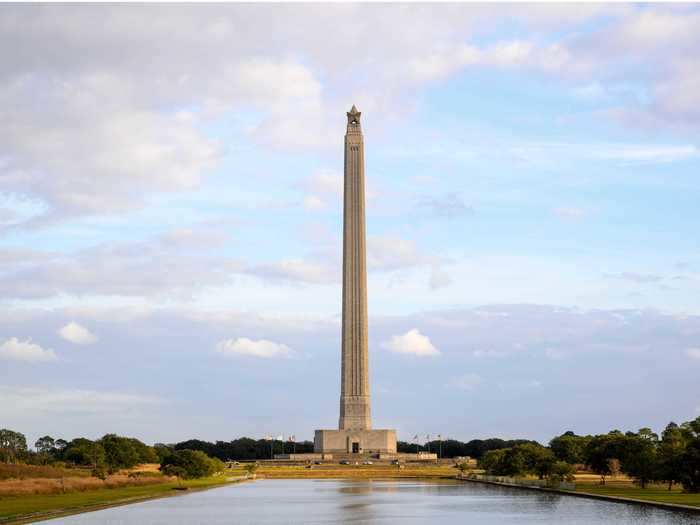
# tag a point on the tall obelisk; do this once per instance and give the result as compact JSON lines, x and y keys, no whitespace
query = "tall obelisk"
{"x":354,"y":385}
{"x":355,"y":434}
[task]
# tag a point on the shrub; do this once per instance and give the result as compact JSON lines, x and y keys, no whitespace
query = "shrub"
{"x":190,"y":464}
{"x":560,"y":471}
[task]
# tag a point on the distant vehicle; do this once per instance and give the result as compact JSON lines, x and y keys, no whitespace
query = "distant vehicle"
{"x":367,"y":463}
{"x":395,"y":462}
{"x":317,"y":462}
{"x":345,"y":462}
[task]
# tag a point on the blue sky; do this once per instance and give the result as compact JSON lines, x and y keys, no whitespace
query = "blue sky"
{"x":170,"y":217}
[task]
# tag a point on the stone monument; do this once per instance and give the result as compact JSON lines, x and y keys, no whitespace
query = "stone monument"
{"x":354,"y":434}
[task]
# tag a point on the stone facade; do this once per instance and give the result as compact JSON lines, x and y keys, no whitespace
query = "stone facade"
{"x":354,"y":434}
{"x":355,"y":441}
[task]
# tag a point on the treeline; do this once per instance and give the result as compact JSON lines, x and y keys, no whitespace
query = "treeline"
{"x":110,"y":452}
{"x":106,"y":455}
{"x":245,"y":448}
{"x":452,"y":448}
{"x":116,"y":452}
{"x":673,"y":457}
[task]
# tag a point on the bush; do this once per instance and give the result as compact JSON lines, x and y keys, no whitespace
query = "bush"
{"x":190,"y":464}
{"x":560,"y":471}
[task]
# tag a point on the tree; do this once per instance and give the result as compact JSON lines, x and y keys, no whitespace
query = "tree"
{"x":602,"y":448}
{"x":120,"y":452}
{"x":45,"y":449}
{"x":162,"y":451}
{"x":538,"y":459}
{"x":569,"y":447}
{"x":560,"y":471}
{"x":60,"y":445}
{"x":524,"y":458}
{"x":174,"y":470}
{"x":639,"y":459}
{"x":614,"y":467}
{"x":670,"y":454}
{"x":690,"y":458}
{"x":690,"y":474}
{"x":196,"y":464}
{"x":45,"y":444}
{"x":492,"y":461}
{"x":13,"y":445}
{"x":82,"y":451}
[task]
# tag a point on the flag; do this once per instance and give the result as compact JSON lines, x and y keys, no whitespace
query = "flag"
{"x":439,"y":437}
{"x":427,"y":437}
{"x":292,"y":438}
{"x":415,"y":438}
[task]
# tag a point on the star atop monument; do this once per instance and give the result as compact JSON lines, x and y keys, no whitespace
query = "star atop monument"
{"x":354,"y":115}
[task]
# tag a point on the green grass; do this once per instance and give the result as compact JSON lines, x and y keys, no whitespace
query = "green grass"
{"x":657,"y":493}
{"x":19,"y":509}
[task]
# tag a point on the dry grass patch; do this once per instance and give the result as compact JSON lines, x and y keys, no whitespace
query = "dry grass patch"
{"x":22,"y":471}
{"x":24,"y":487}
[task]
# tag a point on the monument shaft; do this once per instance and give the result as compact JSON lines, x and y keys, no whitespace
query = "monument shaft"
{"x":355,"y":434}
{"x":354,"y":389}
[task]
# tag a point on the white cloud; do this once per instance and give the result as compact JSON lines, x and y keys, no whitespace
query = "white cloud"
{"x":489,"y":354}
{"x":638,"y":278}
{"x":77,"y":334}
{"x":123,"y":269}
{"x":412,"y":342}
{"x":248,"y":347}
{"x":554,"y":354}
{"x":467,"y":382}
{"x":296,"y":271}
{"x":439,"y":278}
{"x":693,"y":353}
{"x":20,"y":400}
{"x":592,"y":91}
{"x":325,"y":182}
{"x":324,"y":191}
{"x":393,"y":253}
{"x":15,"y":350}
{"x":449,"y":205}
{"x":314,"y":202}
{"x":570,"y":213}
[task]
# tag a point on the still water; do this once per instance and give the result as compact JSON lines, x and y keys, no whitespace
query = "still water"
{"x":310,"y":502}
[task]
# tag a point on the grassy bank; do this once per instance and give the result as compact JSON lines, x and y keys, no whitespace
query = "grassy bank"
{"x":654,"y":493}
{"x":27,"y":508}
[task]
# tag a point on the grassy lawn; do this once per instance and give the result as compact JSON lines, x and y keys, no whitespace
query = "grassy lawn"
{"x":12,"y":508}
{"x":658,"y":493}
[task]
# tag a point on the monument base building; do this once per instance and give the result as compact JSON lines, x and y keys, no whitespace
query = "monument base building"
{"x":368,"y":442}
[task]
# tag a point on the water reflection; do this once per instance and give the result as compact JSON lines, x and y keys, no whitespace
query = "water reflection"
{"x":312,"y":502}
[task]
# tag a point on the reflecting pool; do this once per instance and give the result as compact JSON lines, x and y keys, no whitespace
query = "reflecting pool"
{"x":310,"y":502}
